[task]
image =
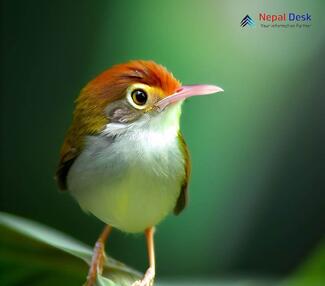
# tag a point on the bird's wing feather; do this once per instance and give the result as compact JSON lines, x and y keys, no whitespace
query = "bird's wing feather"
{"x":83,"y":125}
{"x":183,"y":196}
{"x":64,"y":166}
{"x":88,"y":119}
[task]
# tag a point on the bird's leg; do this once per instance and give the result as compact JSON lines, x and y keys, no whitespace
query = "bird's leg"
{"x":149,"y":276}
{"x":98,"y":259}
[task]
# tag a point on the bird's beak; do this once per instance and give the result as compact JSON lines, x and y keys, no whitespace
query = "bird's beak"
{"x":187,"y":91}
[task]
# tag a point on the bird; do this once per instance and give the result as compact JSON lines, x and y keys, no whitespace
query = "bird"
{"x":124,"y":159}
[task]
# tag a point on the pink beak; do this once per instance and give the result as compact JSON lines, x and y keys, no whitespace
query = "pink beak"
{"x":187,"y":91}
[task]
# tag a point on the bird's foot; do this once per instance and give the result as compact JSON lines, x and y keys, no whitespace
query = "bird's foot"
{"x":147,"y":279}
{"x":97,"y":264}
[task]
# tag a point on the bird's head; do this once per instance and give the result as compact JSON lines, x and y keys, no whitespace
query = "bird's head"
{"x":130,"y":93}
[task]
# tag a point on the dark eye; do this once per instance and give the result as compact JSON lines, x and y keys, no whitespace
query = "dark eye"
{"x":139,"y":96}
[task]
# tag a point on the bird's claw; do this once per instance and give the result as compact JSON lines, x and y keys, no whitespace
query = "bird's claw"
{"x":148,"y":278}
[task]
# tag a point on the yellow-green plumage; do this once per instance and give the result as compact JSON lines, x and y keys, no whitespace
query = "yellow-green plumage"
{"x":133,"y":183}
{"x":127,"y":187}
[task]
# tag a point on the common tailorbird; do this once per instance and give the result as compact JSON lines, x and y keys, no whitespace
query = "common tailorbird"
{"x":124,"y":159}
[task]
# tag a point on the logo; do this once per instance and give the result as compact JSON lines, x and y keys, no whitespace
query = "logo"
{"x":278,"y":20}
{"x":284,"y":17}
{"x":247,"y":20}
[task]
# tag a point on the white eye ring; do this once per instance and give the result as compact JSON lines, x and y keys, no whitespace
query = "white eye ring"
{"x":130,"y":94}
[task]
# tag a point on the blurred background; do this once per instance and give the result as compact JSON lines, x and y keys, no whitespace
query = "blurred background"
{"x":257,"y":203}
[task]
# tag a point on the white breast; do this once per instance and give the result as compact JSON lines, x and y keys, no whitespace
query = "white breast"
{"x":134,"y":181}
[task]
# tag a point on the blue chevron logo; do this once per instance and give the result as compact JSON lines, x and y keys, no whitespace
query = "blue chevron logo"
{"x":247,"y":20}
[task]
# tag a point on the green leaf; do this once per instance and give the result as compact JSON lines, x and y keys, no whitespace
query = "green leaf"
{"x":312,"y":271}
{"x":32,"y":253}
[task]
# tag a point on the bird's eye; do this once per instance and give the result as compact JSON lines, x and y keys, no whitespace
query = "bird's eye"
{"x":139,"y":97}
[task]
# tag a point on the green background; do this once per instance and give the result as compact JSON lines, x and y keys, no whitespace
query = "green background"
{"x":257,"y":202}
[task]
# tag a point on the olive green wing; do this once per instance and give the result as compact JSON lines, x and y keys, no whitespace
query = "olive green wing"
{"x":183,"y":196}
{"x":88,"y":119}
{"x":69,"y":153}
